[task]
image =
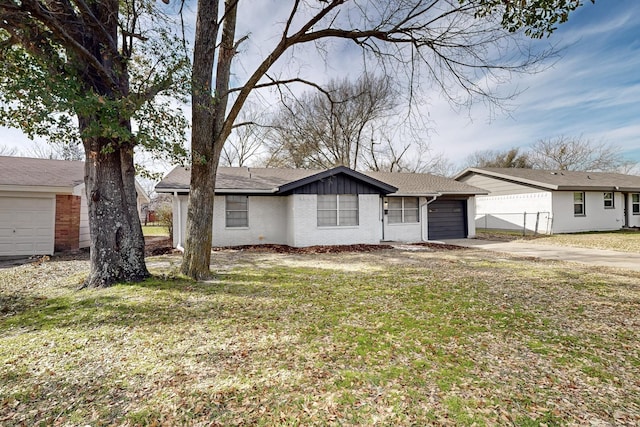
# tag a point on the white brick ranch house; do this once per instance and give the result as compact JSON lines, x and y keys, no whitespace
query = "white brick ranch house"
{"x":338,"y":206}
{"x":554,"y":201}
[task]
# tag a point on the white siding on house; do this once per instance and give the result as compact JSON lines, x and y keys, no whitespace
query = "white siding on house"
{"x":141,"y":202}
{"x":407,"y":232}
{"x":507,"y":212}
{"x":267,"y":222}
{"x":596,"y":218}
{"x":471,"y":215}
{"x":179,"y":211}
{"x":85,"y":236}
{"x":404,"y":232}
{"x":497,"y":187}
{"x":292,"y":220}
{"x":633,"y":219}
{"x":303,"y":210}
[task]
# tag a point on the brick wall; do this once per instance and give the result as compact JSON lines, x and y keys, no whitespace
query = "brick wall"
{"x":67,"y":236}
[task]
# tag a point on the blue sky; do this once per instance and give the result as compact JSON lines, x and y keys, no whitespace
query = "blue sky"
{"x":592,"y":91}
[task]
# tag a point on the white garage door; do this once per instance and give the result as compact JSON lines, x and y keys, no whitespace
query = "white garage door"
{"x":27,"y":225}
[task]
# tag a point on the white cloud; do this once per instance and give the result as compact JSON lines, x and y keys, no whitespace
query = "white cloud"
{"x":592,"y":91}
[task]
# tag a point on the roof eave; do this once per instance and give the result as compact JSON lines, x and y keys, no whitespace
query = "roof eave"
{"x":219,"y":190}
{"x":465,"y":193}
{"x":37,"y":189}
{"x":414,"y":194}
{"x":171,"y":189}
{"x":515,"y":179}
{"x":599,"y":188}
{"x":245,"y":191}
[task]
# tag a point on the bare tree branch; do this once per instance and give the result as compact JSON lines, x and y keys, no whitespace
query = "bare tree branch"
{"x":577,"y":153}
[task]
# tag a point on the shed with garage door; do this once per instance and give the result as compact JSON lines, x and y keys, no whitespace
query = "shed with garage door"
{"x":43,"y":206}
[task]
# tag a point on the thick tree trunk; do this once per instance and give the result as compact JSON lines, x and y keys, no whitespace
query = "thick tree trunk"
{"x":117,"y":243}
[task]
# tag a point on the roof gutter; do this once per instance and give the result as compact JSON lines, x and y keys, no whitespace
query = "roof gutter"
{"x":245,"y":191}
{"x":220,"y":191}
{"x":427,"y":203}
{"x":173,"y":191}
{"x":179,"y":215}
{"x":414,"y":195}
{"x":38,"y":189}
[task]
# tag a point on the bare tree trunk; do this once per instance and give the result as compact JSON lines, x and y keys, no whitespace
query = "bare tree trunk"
{"x":117,"y":243}
{"x":197,"y":254}
{"x":209,"y":137}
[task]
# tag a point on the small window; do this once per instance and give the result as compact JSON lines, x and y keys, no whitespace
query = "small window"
{"x":608,"y":200}
{"x":237,"y":211}
{"x":635,"y":203}
{"x":337,"y":210}
{"x":402,"y":210}
{"x":578,"y":204}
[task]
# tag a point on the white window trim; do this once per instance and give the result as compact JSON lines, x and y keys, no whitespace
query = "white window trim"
{"x":584,"y":203}
{"x":635,"y":203}
{"x":612,"y":200}
{"x":239,"y":227}
{"x":402,"y":211}
{"x":337,"y":211}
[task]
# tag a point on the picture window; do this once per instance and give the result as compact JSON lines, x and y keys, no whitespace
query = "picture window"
{"x":337,"y":210}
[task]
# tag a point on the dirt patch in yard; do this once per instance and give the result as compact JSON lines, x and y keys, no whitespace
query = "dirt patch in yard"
{"x":382,"y":337}
{"x":157,"y":245}
{"x":286,"y":249}
{"x":440,"y":246}
{"x":504,"y":236}
{"x":331,"y":249}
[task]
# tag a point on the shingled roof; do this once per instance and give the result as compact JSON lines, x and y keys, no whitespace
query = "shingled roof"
{"x":28,"y":172}
{"x":261,"y":180}
{"x":269,"y":180}
{"x":561,"y":179}
{"x":424,"y":184}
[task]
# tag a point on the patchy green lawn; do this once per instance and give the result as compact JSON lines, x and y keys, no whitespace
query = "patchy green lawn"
{"x":155,"y":230}
{"x":383,"y":338}
{"x":622,"y":240}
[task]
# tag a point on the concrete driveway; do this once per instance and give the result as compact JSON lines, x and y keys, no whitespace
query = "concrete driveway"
{"x":598,"y":257}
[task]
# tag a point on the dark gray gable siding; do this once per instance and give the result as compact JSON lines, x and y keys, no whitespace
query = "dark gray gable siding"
{"x":339,"y":180}
{"x":337,"y":184}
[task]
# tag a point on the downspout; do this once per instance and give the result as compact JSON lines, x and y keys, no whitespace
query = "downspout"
{"x":426,"y":219}
{"x":179,"y":228}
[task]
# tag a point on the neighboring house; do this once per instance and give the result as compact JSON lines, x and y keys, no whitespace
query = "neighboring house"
{"x":338,"y":206}
{"x":554,"y":201}
{"x":43,"y":206}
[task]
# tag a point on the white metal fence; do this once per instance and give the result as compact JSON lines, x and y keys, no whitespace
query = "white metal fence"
{"x":526,"y":222}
